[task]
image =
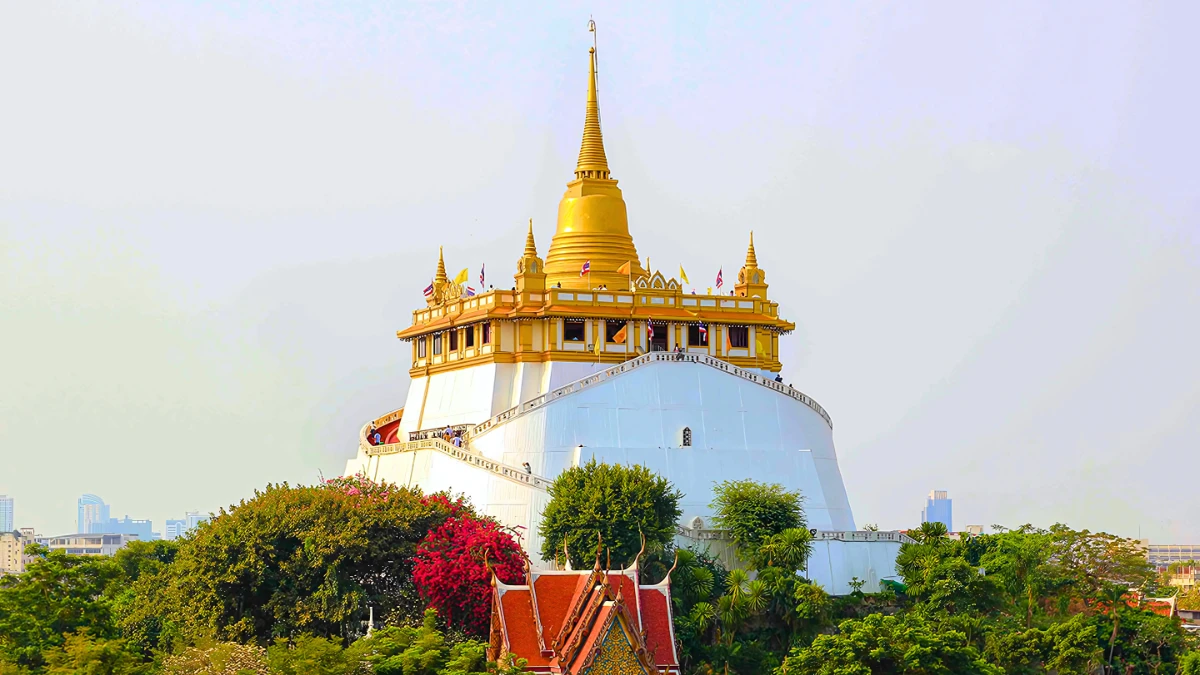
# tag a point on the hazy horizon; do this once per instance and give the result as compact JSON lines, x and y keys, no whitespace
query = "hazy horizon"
{"x":983,"y":220}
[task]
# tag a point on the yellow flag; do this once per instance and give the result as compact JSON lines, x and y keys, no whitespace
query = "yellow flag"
{"x":619,"y":338}
{"x":759,"y":344}
{"x":709,"y":292}
{"x":598,"y":347}
{"x":461,"y":277}
{"x":683,"y":275}
{"x":624,"y":269}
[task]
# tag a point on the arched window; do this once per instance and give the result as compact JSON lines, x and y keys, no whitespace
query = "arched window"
{"x":686,"y":441}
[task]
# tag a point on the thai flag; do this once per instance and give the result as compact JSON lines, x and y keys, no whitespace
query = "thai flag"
{"x":650,"y":331}
{"x":720,"y":280}
{"x":703,"y":334}
{"x":587,"y":268}
{"x":481,"y":284}
{"x":429,"y":290}
{"x":470,"y":291}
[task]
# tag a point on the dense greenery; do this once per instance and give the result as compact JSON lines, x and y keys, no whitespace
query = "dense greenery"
{"x":619,"y":503}
{"x":281,"y":584}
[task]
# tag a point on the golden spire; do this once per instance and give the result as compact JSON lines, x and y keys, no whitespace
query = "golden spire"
{"x":530,"y":248}
{"x":593,"y":226}
{"x":592,"y":162}
{"x":440,"y":277}
{"x":751,"y":258}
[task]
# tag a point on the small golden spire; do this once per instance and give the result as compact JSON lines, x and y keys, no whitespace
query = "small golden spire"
{"x":530,"y":248}
{"x":592,"y":161}
{"x":441,"y":270}
{"x":751,"y":258}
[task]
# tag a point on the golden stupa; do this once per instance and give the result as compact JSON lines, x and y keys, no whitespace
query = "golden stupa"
{"x":593,"y":226}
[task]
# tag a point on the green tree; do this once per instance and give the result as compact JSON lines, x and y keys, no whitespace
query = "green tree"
{"x":58,"y":595}
{"x":1071,"y":647}
{"x":938,"y":576}
{"x":294,"y":561}
{"x":620,"y":503}
{"x":83,"y":654}
{"x":1089,"y":561}
{"x":893,"y":645}
{"x":1019,"y":559}
{"x":754,"y":512}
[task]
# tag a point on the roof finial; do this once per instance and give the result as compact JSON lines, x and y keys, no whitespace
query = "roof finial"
{"x":592,"y":161}
{"x":751,"y":258}
{"x":441,"y":268}
{"x":530,"y":248}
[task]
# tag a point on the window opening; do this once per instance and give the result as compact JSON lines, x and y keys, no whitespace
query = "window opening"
{"x":739,"y":336}
{"x":573,"y":330}
{"x":611,"y":328}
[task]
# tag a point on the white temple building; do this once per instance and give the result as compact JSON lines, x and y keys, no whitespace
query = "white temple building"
{"x":593,"y":356}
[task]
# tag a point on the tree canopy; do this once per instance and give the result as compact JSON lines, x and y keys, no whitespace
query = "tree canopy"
{"x":620,"y":503}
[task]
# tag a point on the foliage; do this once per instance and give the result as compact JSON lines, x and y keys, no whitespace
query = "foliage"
{"x":618,"y":503}
{"x":753,"y":512}
{"x":58,"y":595}
{"x":423,"y":650}
{"x":887,"y":644}
{"x":451,"y":569}
{"x":82,"y":653}
{"x":224,"y":658}
{"x":296,"y":560}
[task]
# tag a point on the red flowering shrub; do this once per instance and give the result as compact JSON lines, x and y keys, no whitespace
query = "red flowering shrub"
{"x":450,"y":573}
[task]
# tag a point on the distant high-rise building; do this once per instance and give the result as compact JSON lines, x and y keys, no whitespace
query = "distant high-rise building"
{"x":6,"y":513}
{"x":938,"y":509}
{"x":92,"y":512}
{"x":178,"y":527}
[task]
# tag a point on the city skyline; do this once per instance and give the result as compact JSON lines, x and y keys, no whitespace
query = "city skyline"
{"x":986,"y":272}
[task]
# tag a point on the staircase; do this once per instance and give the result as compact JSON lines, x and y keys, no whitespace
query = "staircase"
{"x":510,"y":473}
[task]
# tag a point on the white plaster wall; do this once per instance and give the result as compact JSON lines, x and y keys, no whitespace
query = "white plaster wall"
{"x":462,"y":396}
{"x":739,"y":430}
{"x":834,"y":563}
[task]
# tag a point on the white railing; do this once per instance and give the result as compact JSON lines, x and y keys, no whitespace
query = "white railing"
{"x":862,"y":535}
{"x":645,"y":359}
{"x":703,"y":534}
{"x":512,"y":473}
{"x":378,"y":422}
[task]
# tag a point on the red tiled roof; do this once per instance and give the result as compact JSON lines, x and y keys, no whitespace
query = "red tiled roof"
{"x":573,"y":606}
{"x":520,"y":627}
{"x":656,"y":619}
{"x":555,"y":593}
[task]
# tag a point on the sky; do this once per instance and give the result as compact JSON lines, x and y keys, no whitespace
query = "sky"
{"x":984,"y":220}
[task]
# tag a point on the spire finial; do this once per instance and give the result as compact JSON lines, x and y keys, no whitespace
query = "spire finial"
{"x":530,"y":247}
{"x":592,"y":161}
{"x":441,"y":268}
{"x":751,"y":258}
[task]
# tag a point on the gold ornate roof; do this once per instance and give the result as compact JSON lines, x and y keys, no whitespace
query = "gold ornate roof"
{"x":552,"y":313}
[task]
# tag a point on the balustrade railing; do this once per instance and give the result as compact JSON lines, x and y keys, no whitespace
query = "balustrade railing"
{"x":637,"y":362}
{"x":512,"y":473}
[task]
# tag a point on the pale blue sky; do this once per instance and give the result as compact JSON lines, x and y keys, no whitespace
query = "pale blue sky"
{"x":984,"y":221}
